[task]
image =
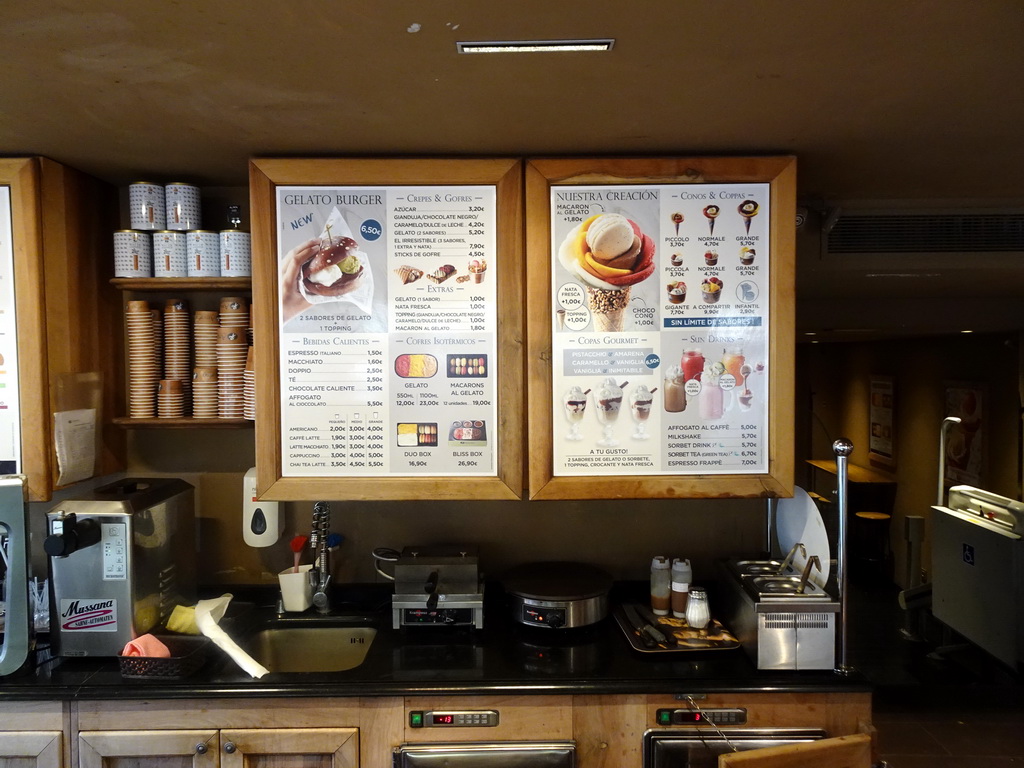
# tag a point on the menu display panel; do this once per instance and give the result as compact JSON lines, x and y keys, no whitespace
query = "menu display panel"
{"x":389,"y":303}
{"x":10,"y":403}
{"x":661,"y":321}
{"x":670,"y":355}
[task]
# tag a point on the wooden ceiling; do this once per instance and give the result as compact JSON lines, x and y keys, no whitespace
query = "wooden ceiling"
{"x":915,"y":104}
{"x":878,"y":100}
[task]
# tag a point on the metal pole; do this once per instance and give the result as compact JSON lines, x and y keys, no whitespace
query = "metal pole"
{"x":842,"y":449}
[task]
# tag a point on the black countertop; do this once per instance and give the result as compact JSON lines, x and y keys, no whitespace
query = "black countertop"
{"x":502,"y":658}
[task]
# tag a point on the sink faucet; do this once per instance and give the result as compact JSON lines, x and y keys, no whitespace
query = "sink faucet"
{"x":320,"y":573}
{"x":812,"y":561}
{"x":789,"y":558}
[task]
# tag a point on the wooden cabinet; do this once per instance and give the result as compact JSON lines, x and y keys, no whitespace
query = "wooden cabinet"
{"x":67,"y":315}
{"x":350,"y":732}
{"x":32,"y":735}
{"x":254,"y":733}
{"x":229,"y":748}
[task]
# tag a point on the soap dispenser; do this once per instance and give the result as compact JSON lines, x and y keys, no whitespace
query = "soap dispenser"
{"x":262,"y":522}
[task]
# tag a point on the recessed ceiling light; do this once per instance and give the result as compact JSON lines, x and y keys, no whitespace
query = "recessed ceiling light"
{"x":966,"y":331}
{"x":535,"y":46}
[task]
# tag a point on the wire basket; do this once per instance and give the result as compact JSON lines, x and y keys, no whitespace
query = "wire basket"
{"x":188,"y":653}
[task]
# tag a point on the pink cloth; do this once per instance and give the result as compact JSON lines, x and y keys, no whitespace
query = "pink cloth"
{"x":146,"y":645}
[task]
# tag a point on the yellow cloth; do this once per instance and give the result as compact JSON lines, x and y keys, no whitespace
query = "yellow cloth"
{"x":183,"y":621}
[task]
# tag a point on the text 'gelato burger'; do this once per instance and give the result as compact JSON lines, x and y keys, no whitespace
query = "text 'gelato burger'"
{"x":335,"y":269}
{"x":610,"y":254}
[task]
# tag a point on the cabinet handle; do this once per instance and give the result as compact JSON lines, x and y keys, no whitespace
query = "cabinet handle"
{"x":230,"y":747}
{"x":201,"y":749}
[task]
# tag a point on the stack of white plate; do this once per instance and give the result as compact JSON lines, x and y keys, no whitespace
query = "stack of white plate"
{"x":143,"y":368}
{"x":178,"y":344}
{"x":249,"y":388}
{"x":204,"y":392}
{"x":232,"y":351}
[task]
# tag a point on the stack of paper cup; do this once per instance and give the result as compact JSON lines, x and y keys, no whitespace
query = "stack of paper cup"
{"x":249,"y":388}
{"x":204,"y":334}
{"x":158,"y":338}
{"x":232,"y":350}
{"x":177,"y":344}
{"x":204,"y":392}
{"x":234,"y":312}
{"x":143,"y":368}
{"x":170,"y":399}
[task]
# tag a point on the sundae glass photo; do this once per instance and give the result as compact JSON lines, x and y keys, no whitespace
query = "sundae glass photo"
{"x":575,"y":402}
{"x":609,"y":402}
{"x":640,"y":406}
{"x":746,"y":397}
{"x":711,"y":401}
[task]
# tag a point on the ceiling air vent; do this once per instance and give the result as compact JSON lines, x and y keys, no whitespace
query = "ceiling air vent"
{"x":899,"y":232}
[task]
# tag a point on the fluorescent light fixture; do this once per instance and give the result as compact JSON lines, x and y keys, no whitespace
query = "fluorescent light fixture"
{"x":535,"y":46}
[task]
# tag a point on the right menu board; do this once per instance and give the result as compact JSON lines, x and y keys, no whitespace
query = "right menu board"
{"x":661,"y":318}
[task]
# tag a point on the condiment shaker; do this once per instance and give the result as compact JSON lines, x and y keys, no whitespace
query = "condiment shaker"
{"x":681,"y":576}
{"x":660,"y":585}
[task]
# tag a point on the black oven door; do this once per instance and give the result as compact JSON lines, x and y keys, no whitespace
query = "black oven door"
{"x":497,"y":754}
{"x":700,"y":747}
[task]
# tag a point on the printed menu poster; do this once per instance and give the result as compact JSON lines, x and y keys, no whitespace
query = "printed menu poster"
{"x":10,"y":406}
{"x":388,"y":330}
{"x":660,"y":329}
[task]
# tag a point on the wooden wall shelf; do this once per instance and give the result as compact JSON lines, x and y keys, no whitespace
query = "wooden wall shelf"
{"x":126,"y":422}
{"x":154,"y":284}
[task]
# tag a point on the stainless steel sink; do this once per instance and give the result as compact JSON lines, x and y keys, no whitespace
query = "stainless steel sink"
{"x":786,"y":586}
{"x":312,"y":645}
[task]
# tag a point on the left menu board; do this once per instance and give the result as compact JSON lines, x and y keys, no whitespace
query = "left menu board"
{"x":393,"y":297}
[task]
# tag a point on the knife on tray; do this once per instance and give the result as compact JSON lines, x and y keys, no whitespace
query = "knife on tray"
{"x":647,"y":615}
{"x":649,"y":635}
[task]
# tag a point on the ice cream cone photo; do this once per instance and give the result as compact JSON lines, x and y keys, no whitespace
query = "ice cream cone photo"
{"x":748,"y":210}
{"x":711,"y":212}
{"x":609,"y":254}
{"x":608,"y":307}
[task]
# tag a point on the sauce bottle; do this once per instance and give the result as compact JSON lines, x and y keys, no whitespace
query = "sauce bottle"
{"x":681,"y":576}
{"x":660,"y":586}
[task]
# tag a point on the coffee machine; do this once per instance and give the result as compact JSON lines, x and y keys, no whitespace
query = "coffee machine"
{"x":121,"y":557}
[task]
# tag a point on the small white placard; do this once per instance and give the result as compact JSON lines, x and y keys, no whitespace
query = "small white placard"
{"x":75,"y":436}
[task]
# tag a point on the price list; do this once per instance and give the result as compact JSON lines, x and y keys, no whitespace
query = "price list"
{"x":394,"y":376}
{"x":660,"y":324}
{"x":333,"y":403}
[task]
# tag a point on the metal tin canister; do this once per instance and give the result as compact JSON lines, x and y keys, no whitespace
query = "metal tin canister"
{"x":202,"y":250}
{"x":170,"y":255}
{"x":184,"y":211}
{"x":235,"y":253}
{"x":133,"y":254}
{"x":146,"y":201}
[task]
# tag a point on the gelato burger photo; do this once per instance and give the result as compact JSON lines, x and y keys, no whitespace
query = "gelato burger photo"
{"x":609,"y":254}
{"x":335,"y":268}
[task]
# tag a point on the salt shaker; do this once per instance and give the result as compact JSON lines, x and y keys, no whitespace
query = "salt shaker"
{"x":697,"y":612}
{"x":660,"y":585}
{"x":681,"y":575}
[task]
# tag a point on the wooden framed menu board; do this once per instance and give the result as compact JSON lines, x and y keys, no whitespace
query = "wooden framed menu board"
{"x":387,"y":301}
{"x":660,"y":327}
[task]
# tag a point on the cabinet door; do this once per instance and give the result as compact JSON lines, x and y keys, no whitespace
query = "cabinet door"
{"x":145,"y":749}
{"x":842,"y":752}
{"x":285,"y":747}
{"x":31,"y":749}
